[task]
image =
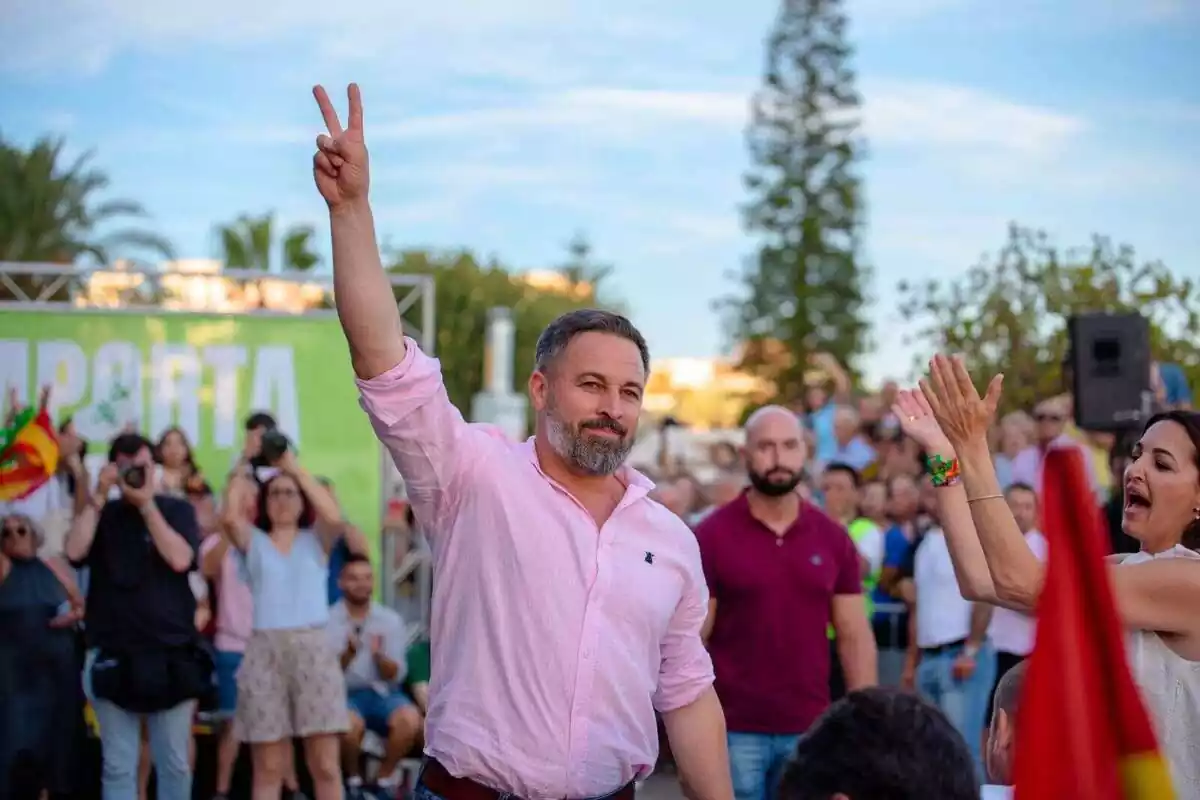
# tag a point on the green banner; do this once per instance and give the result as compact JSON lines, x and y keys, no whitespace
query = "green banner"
{"x":205,"y":374}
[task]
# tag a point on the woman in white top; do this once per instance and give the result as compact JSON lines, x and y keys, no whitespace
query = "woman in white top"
{"x":1157,"y":591}
{"x":290,"y":682}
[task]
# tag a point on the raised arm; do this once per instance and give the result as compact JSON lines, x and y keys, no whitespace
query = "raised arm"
{"x":1159,"y":595}
{"x":964,"y":417}
{"x":365,"y":305}
{"x":83,"y":527}
{"x":239,"y":493}
{"x":401,"y":389}
{"x":954,"y":512}
{"x":324,"y":505}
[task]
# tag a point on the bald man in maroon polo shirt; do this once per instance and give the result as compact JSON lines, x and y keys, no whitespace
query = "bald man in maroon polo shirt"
{"x":779,"y":572}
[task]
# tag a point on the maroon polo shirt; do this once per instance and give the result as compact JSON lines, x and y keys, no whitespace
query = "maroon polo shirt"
{"x":769,"y":646}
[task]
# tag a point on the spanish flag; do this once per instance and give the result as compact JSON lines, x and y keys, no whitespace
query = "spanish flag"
{"x":29,"y":457}
{"x":1082,"y":733}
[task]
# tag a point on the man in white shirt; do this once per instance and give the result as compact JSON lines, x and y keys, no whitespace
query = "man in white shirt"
{"x":950,"y":659}
{"x":1001,"y":743}
{"x":373,"y":642}
{"x":1011,"y":631}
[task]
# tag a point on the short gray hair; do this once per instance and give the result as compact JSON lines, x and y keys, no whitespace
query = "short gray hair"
{"x":559,"y":333}
{"x":35,"y":527}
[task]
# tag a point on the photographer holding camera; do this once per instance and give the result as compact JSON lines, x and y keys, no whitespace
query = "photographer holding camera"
{"x":145,"y":658}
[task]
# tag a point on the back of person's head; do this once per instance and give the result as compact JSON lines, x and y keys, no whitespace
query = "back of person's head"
{"x":1001,"y":742}
{"x":881,"y":744}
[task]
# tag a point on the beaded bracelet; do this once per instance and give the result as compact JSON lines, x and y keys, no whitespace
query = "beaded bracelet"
{"x":943,"y":472}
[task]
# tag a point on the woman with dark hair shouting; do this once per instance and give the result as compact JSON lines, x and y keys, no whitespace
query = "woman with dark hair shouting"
{"x":1156,"y":590}
{"x":290,"y":683}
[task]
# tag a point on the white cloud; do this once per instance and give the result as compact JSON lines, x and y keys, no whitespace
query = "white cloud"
{"x":929,"y":115}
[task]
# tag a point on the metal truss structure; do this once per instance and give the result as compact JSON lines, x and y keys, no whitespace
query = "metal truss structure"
{"x":134,"y":289}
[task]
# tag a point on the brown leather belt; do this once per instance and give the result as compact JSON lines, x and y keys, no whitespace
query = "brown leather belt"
{"x":437,"y":780}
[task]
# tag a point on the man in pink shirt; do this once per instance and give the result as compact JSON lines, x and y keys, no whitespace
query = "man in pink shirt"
{"x":567,"y":604}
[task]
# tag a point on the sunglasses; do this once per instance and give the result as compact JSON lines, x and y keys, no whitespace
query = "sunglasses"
{"x":15,"y":531}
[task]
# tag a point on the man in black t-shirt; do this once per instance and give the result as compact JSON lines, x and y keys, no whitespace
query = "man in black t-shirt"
{"x":144,"y":659}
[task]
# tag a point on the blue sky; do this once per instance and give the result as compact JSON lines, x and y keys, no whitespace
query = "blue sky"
{"x":507,"y":127}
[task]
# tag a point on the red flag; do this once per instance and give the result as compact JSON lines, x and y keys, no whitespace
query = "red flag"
{"x":30,"y":459}
{"x":1083,"y":733}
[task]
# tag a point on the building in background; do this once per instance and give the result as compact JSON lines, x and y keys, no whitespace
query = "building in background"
{"x":197,"y":284}
{"x":701,"y":393}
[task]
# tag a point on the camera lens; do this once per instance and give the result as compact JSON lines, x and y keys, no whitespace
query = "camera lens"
{"x":134,"y":477}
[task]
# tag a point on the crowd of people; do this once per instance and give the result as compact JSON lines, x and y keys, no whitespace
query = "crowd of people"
{"x":836,"y":614}
{"x":251,"y":613}
{"x":858,"y":461}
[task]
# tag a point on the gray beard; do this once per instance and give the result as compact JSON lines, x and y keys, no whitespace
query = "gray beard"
{"x":590,"y":455}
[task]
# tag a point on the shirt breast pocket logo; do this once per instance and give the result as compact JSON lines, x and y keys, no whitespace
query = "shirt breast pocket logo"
{"x":644,"y":592}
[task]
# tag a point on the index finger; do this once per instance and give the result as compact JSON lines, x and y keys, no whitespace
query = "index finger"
{"x":355,"y":120}
{"x":327,"y":112}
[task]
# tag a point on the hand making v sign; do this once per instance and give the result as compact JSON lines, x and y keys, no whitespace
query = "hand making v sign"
{"x":340,"y":164}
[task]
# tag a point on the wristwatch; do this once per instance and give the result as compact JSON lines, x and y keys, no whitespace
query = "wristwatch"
{"x":971,"y":650}
{"x":147,"y":507}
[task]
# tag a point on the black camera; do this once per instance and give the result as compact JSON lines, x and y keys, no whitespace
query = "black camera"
{"x":133,"y":476}
{"x":274,"y":444}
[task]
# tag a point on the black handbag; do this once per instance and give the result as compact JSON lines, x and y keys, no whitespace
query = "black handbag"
{"x":148,"y":680}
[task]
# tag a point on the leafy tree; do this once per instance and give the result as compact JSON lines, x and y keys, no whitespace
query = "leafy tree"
{"x":804,"y":290}
{"x":1009,"y":312}
{"x":52,"y":212}
{"x":249,"y":241}
{"x":465,"y":290}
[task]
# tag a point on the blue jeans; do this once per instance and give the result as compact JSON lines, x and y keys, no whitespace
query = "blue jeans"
{"x":375,"y":709}
{"x":963,"y":702}
{"x":121,"y":738}
{"x":756,"y":761}
{"x":227,"y":664}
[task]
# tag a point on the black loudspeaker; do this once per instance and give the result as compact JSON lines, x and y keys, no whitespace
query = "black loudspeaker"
{"x":1110,"y":371}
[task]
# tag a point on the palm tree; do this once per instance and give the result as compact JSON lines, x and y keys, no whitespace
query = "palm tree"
{"x":50,"y":213}
{"x":248,"y":241}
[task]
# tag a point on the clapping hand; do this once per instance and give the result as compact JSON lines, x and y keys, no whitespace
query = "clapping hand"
{"x":961,"y":413}
{"x":918,"y":423}
{"x":340,"y":164}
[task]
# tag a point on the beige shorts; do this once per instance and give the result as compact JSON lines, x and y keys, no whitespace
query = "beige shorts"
{"x":290,"y":684}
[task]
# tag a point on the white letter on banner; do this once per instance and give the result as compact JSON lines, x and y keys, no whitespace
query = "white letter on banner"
{"x":225,"y":360}
{"x":14,"y":368}
{"x":174,"y":390}
{"x":116,"y":392}
{"x":62,"y":366}
{"x":275,"y":380}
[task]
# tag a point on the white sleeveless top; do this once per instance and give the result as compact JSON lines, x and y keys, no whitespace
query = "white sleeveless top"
{"x":1170,"y":687}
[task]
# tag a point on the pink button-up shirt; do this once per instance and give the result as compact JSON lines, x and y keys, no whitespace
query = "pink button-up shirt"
{"x":553,"y":641}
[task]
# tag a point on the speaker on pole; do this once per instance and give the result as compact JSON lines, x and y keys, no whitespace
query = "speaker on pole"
{"x":1110,"y":370}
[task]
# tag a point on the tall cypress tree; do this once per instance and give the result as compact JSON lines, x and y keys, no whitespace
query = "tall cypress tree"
{"x":804,"y":290}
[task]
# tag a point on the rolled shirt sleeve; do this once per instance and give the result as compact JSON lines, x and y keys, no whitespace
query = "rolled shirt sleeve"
{"x":426,"y":435}
{"x":686,"y":670}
